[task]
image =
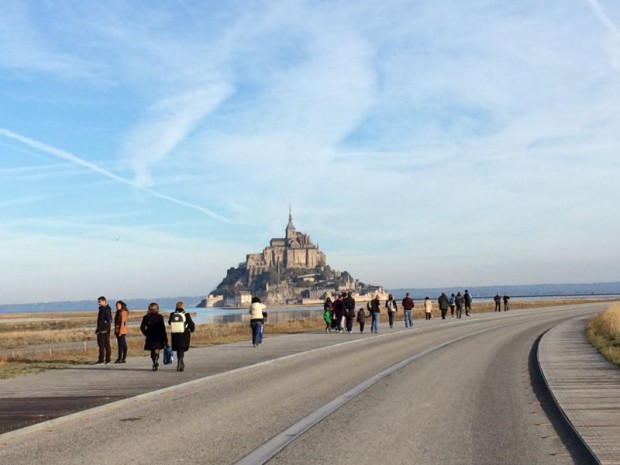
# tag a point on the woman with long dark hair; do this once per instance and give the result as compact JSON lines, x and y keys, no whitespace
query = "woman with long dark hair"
{"x":120,"y":330}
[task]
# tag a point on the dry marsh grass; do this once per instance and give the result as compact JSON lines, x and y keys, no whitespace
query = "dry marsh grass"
{"x":65,"y":344}
{"x":603,"y":332}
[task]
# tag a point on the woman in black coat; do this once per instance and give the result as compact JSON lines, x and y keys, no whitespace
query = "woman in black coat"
{"x":181,"y":329}
{"x":154,"y":329}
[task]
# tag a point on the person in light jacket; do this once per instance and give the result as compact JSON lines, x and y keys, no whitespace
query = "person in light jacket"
{"x":120,"y":330}
{"x":428,"y":308}
{"x":257,"y":317}
{"x":181,"y":340}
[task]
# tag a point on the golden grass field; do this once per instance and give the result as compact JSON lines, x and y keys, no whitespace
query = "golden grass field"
{"x":65,"y":336}
{"x":604,"y":333}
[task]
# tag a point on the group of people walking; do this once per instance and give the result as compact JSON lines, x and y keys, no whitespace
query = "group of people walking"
{"x":455,"y":303}
{"x":339,"y":316}
{"x":341,"y":312}
{"x":498,"y":302}
{"x":152,"y":327}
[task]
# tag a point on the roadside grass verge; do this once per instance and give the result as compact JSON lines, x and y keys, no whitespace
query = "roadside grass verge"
{"x":60,"y":357}
{"x":603,"y":332}
{"x":49,"y":344}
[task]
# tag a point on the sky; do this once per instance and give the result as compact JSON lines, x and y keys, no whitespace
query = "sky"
{"x":147,"y":147}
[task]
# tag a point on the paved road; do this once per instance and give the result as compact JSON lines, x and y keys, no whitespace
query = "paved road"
{"x":477,"y":400}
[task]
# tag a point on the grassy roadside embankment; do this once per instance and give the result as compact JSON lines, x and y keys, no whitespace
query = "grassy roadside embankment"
{"x":65,"y":339}
{"x":603,"y":333}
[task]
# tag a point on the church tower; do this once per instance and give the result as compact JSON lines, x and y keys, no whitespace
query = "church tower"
{"x":291,"y":234}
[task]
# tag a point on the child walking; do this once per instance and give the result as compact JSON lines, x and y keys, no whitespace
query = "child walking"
{"x":361,"y":318}
{"x":327,"y":318}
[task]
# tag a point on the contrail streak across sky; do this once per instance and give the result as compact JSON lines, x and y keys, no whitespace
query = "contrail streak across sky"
{"x":97,"y":169}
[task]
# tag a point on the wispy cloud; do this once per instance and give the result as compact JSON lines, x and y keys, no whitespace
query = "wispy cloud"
{"x":97,"y":169}
{"x":612,"y":29}
{"x":167,"y":124}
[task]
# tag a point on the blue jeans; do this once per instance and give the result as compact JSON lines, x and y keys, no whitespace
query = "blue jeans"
{"x":408,"y":319}
{"x":257,"y":326}
{"x":374,"y":328}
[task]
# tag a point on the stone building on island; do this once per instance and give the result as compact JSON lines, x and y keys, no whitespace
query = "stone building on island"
{"x":290,"y":270}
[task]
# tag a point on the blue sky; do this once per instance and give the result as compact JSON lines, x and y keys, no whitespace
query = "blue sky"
{"x":146,"y":147}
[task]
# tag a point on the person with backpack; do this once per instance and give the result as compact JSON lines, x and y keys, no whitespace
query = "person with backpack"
{"x":452,"y":304}
{"x":181,"y":328}
{"x":120,"y":330}
{"x":154,"y":330}
{"x":392,"y":308}
{"x":459,"y":301}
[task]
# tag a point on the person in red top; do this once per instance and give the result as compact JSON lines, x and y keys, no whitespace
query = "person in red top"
{"x":408,"y":307}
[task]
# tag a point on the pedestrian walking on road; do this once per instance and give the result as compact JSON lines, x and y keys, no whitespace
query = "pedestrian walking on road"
{"x":338,"y":313}
{"x":154,"y":330}
{"x":408,"y":305}
{"x":349,"y":311}
{"x":104,"y":327}
{"x":497,"y":300}
{"x":428,"y":308}
{"x":452,"y":304}
{"x":257,"y":318}
{"x":443,"y":305}
{"x":468,"y":299}
{"x":375,"y":310}
{"x":361,"y":318}
{"x":181,"y":328}
{"x":459,"y":302}
{"x":506,"y":299}
{"x":392,"y":308}
{"x":120,"y":330}
{"x":328,"y":306}
{"x":327,"y":316}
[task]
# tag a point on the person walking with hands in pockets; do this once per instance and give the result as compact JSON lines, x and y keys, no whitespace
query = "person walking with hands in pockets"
{"x":104,"y":327}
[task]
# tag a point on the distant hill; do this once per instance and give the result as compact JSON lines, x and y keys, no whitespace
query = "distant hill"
{"x":524,"y":290}
{"x":166,"y":303}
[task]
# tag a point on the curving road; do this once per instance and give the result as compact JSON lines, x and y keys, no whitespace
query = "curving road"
{"x":465,"y":392}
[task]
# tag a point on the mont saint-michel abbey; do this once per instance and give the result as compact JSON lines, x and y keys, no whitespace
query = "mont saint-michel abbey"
{"x":295,"y":250}
{"x":290,"y":270}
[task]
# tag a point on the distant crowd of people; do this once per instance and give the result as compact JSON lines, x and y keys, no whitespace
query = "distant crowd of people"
{"x":340,"y":313}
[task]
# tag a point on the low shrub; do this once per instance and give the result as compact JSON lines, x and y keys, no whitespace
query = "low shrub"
{"x":603,"y":332}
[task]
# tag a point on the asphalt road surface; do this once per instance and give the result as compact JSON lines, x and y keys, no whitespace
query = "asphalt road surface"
{"x":465,"y":392}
